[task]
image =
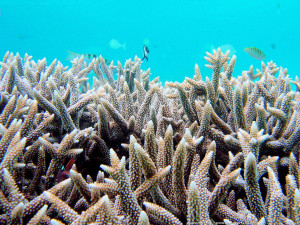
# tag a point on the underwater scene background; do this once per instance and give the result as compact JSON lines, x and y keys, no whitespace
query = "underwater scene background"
{"x":202,"y":138}
{"x":178,"y":33}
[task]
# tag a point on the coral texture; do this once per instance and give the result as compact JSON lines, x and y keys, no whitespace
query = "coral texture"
{"x":129,"y":150}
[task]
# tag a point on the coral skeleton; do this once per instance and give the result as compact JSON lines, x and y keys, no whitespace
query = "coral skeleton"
{"x":128,"y":149}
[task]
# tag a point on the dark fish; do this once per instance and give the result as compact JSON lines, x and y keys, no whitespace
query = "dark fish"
{"x":64,"y":174}
{"x":145,"y":52}
{"x":255,"y":53}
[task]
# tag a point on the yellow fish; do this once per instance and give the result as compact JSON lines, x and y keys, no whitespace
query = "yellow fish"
{"x":255,"y":53}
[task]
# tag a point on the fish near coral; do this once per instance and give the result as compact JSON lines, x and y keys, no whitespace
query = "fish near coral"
{"x":86,"y":56}
{"x":255,"y":53}
{"x":145,"y":52}
{"x":64,"y":174}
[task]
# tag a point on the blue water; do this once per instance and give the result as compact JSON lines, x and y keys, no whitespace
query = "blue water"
{"x":179,"y":32}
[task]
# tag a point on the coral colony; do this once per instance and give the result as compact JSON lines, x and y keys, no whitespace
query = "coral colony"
{"x":132,"y":151}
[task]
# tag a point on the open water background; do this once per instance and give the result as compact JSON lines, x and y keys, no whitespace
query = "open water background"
{"x":179,"y":32}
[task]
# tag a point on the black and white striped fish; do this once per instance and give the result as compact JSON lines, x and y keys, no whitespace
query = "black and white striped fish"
{"x":145,"y":52}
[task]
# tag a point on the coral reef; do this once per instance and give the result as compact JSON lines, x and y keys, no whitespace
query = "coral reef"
{"x":129,"y":150}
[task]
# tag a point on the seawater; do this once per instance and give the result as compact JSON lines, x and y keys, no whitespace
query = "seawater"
{"x":178,"y":33}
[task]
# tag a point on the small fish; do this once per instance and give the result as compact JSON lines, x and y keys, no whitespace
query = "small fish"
{"x":22,"y":36}
{"x":64,"y":173}
{"x":255,"y":53}
{"x":224,"y":48}
{"x":145,"y":52}
{"x":86,"y":56}
{"x":273,"y":46}
{"x":115,"y":44}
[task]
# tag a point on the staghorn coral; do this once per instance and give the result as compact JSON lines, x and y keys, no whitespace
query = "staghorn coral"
{"x":195,"y":152}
